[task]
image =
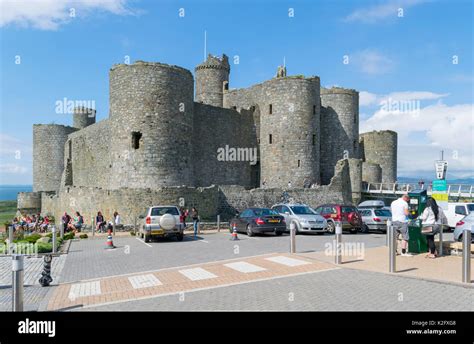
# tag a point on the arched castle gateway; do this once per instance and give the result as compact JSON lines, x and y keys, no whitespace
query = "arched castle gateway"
{"x":161,"y":141}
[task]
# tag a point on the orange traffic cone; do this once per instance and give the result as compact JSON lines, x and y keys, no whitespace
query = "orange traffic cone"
{"x":109,"y":243}
{"x":234,"y":233}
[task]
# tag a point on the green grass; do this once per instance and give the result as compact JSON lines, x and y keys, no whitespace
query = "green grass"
{"x":7,"y":211}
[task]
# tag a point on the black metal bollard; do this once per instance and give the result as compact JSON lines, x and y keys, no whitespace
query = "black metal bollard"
{"x":46,"y":279}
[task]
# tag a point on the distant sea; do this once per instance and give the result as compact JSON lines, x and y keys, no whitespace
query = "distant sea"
{"x":9,"y":192}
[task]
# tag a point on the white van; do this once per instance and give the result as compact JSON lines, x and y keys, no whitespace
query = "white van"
{"x":457,"y":211}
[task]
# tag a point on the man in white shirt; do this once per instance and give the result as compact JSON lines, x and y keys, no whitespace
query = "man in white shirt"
{"x":400,"y":220}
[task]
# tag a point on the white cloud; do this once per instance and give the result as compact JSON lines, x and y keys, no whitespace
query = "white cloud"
{"x":368,"y":98}
{"x":13,"y":168}
{"x":423,"y":134}
{"x":371,"y":62}
{"x":50,"y":14}
{"x":380,"y":12}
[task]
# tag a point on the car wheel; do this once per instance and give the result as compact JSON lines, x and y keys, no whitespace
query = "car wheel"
{"x":147,"y":238}
{"x":249,"y":231}
{"x":180,"y":236}
{"x":278,"y":233}
{"x":365,"y":229}
{"x":331,"y":227}
{"x":353,"y":230}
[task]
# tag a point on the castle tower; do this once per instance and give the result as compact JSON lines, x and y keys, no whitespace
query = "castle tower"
{"x":211,"y":77}
{"x":48,"y":155}
{"x":380,"y":147}
{"x":83,"y":117}
{"x":289,"y":132}
{"x":151,"y":115}
{"x":339,"y":128}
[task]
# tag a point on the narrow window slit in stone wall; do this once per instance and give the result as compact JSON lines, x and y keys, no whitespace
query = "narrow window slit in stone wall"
{"x":136,"y":136}
{"x":270,"y":109}
{"x":270,"y":139}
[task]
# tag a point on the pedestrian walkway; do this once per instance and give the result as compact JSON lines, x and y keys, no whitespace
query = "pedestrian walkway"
{"x":443,"y":269}
{"x":34,"y":293}
{"x":180,"y":279}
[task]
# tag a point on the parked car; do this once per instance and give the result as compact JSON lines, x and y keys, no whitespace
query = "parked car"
{"x":457,"y":211}
{"x":375,"y":219}
{"x":465,"y":223}
{"x":304,"y":218}
{"x":162,"y":221}
{"x":346,"y":214}
{"x":258,"y":220}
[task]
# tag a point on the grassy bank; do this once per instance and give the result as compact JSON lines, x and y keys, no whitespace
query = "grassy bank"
{"x":7,"y":211}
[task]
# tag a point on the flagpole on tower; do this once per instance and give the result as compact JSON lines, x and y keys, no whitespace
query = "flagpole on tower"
{"x":205,"y":45}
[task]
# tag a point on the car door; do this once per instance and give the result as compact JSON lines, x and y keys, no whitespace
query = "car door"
{"x":244,"y":219}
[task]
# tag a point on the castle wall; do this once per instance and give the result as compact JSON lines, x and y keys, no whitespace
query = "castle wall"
{"x":29,"y":202}
{"x":151,"y":113}
{"x":371,"y":173}
{"x":215,"y":128}
{"x":339,"y":128}
{"x":210,"y":201}
{"x":87,"y":160}
{"x":380,"y":147}
{"x":48,"y":155}
{"x":355,"y":172}
{"x":290,"y":134}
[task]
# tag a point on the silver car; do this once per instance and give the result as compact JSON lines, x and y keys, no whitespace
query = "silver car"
{"x":375,"y":219}
{"x":305,"y":219}
{"x":162,"y":221}
{"x":465,"y":223}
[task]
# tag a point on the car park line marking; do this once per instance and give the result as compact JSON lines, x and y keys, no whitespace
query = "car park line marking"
{"x":245,"y":267}
{"x":207,"y":288}
{"x":204,"y":241}
{"x":174,"y":267}
{"x":144,"y":281}
{"x":287,"y":261}
{"x":197,"y":274}
{"x":84,"y":289}
{"x":143,"y":242}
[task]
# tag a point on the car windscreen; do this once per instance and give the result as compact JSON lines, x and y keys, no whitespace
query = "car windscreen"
{"x":470,"y":207}
{"x":264,"y":212}
{"x":346,"y":210}
{"x":383,"y":212}
{"x":302,"y":210}
{"x":160,"y":211}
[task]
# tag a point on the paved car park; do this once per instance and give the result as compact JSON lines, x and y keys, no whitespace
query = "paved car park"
{"x":88,"y":259}
{"x":237,"y":276}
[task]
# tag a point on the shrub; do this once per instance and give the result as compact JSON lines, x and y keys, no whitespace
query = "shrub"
{"x":33,"y":237}
{"x":69,"y":236}
{"x":132,"y":233}
{"x":44,"y":247}
{"x":83,"y":236}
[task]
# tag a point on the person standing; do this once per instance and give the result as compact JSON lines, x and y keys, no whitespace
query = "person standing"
{"x":195,"y":217}
{"x":116,"y":218}
{"x":400,"y":220}
{"x":65,"y":221}
{"x":432,"y":219}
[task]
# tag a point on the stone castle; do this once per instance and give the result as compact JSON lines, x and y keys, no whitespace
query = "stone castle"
{"x":160,"y":143}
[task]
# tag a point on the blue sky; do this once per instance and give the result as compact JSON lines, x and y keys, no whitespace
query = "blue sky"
{"x":391,"y":59}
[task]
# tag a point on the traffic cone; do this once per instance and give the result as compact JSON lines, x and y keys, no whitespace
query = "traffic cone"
{"x":109,"y":243}
{"x":234,"y":234}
